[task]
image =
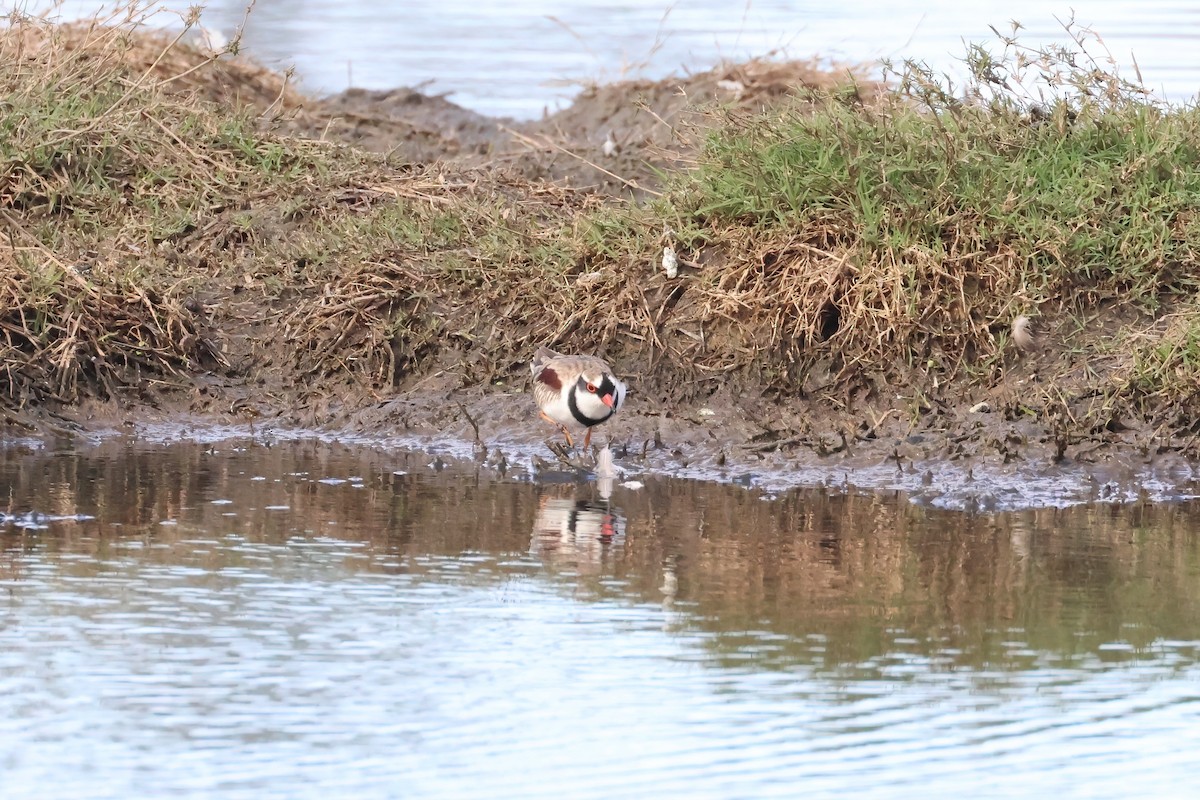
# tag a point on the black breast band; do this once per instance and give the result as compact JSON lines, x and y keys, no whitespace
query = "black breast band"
{"x":607,"y":387}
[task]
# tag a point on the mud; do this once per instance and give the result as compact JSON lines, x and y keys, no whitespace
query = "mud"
{"x":513,"y":444}
{"x":967,"y":452}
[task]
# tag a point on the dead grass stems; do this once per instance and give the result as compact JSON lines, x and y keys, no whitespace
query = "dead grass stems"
{"x":860,"y":252}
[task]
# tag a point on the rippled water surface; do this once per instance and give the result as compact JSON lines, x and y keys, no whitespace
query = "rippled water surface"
{"x":311,"y":620}
{"x":522,"y":57}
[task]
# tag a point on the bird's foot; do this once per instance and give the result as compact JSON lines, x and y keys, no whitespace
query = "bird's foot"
{"x":568,"y":456}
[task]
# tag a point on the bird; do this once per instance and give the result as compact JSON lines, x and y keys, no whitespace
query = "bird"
{"x":574,"y":392}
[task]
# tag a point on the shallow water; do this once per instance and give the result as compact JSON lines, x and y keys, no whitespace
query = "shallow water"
{"x":522,"y":57}
{"x":295,"y":619}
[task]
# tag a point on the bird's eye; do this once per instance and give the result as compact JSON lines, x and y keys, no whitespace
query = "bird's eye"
{"x":591,"y":387}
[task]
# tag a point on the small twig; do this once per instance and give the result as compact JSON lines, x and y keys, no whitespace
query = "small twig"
{"x":278,"y":101}
{"x":198,"y":66}
{"x":470,"y":419}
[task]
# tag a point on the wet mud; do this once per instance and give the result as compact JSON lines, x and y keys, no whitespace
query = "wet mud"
{"x":615,"y":141}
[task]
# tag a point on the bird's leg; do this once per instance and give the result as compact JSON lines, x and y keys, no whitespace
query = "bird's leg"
{"x":561,"y":428}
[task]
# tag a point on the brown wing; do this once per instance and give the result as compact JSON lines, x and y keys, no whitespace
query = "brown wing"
{"x":548,"y":376}
{"x":546,"y":384}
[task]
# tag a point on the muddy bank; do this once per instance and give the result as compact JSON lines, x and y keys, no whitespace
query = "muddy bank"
{"x":715,"y":451}
{"x":382,"y":264}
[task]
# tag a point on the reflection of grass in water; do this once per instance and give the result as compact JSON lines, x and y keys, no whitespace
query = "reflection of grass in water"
{"x":849,"y":580}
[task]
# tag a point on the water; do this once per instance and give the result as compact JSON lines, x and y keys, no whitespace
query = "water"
{"x":523,"y":57}
{"x":307,"y":619}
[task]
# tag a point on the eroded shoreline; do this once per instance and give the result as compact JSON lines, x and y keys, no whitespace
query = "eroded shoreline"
{"x":851,"y":327}
{"x":515,"y":449}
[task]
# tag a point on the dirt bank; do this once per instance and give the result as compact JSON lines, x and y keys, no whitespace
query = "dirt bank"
{"x":385,"y":262}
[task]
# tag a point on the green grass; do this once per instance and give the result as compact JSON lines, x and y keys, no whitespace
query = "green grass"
{"x":889,"y":240}
{"x":1164,"y":371}
{"x":923,"y":223}
{"x":1093,"y":198}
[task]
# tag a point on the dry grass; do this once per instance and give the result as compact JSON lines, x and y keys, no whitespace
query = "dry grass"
{"x":844,"y":248}
{"x":457,"y":262}
{"x":859,"y":250}
{"x":124,"y":191}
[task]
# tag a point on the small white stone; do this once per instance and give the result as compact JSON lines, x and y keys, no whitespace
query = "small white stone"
{"x":670,"y":262}
{"x":610,"y":147}
{"x":589,"y":279}
{"x":212,"y":40}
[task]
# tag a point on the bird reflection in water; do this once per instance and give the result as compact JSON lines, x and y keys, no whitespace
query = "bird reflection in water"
{"x":579,"y":528}
{"x":574,"y":529}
